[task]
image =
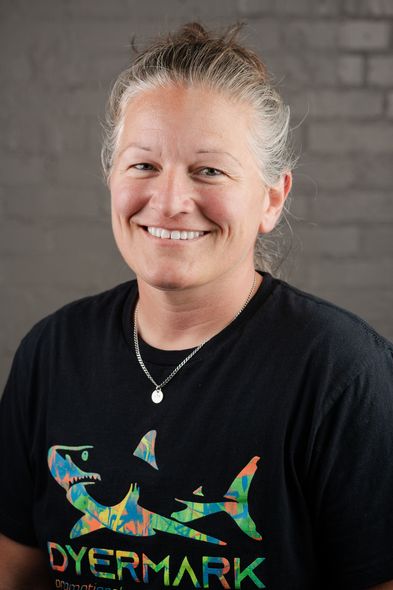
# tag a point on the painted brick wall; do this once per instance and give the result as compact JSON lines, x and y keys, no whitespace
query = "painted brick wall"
{"x":333,"y":62}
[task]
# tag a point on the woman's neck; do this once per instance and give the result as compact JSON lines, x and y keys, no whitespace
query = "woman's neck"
{"x":178,"y":320}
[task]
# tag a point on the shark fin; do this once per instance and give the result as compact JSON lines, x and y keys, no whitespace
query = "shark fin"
{"x":198,"y":491}
{"x":131,"y":498}
{"x":146,"y":448}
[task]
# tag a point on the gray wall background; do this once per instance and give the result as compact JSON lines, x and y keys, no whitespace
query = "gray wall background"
{"x":333,"y":62}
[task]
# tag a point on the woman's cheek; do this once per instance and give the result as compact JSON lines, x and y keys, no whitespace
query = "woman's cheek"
{"x":221,"y":207}
{"x":127,"y":200}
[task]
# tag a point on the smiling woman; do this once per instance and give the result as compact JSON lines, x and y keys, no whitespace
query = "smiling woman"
{"x":198,"y":179}
{"x":190,"y":60}
{"x":205,"y":424}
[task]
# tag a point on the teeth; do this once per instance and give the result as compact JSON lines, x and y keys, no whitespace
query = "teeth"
{"x":88,"y":478}
{"x":160,"y":232}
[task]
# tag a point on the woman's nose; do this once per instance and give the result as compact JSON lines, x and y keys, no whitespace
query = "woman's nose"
{"x":173,"y":194}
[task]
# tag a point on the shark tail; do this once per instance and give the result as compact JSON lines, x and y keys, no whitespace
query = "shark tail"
{"x":241,"y":516}
{"x":238,"y":490}
{"x":236,"y":504}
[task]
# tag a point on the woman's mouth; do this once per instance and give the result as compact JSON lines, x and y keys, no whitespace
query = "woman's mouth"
{"x":177,"y":234}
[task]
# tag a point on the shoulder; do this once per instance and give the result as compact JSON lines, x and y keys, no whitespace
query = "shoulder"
{"x":324,"y":334}
{"x":81,"y":317}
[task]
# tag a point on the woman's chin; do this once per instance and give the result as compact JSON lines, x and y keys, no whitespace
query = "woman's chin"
{"x":167,"y":281}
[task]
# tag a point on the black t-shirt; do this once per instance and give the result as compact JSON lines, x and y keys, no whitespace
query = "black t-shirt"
{"x":267,"y":465}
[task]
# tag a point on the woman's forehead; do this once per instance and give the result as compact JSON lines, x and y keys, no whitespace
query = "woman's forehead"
{"x":204,"y":117}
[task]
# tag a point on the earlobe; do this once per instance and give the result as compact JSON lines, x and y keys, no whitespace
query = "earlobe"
{"x":274,"y":201}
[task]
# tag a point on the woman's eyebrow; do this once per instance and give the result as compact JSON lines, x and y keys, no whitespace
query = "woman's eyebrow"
{"x":200,"y":151}
{"x":136,"y":145}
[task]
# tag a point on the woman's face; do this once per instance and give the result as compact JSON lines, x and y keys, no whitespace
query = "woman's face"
{"x":187,"y":198}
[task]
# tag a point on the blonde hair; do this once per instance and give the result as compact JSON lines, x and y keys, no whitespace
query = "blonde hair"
{"x":193,"y":56}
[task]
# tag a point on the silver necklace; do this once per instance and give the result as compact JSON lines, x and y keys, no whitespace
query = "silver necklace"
{"x":157,"y":396}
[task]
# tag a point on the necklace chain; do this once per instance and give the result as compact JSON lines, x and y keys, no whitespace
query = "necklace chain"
{"x":157,"y":395}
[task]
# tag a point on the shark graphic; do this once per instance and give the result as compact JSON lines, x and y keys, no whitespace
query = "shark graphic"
{"x":235,"y":503}
{"x":128,"y":516}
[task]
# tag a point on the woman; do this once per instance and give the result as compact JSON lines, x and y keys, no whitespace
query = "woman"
{"x":207,"y":425}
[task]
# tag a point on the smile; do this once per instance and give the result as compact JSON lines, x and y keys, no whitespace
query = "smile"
{"x":167,"y":234}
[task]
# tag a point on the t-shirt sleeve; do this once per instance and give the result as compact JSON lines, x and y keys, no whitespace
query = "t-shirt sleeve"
{"x":16,"y":476}
{"x":351,"y":479}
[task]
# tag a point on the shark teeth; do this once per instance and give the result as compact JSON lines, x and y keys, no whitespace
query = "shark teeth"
{"x":160,"y":232}
{"x":86,"y":479}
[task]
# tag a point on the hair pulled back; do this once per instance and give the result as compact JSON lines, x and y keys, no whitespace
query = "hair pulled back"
{"x":194,"y":56}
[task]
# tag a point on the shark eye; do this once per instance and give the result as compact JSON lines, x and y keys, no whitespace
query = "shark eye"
{"x":85,"y":455}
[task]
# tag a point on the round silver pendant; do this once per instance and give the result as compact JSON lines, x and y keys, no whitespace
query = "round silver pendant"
{"x":157,"y":396}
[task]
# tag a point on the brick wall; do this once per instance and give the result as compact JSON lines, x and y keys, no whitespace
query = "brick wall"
{"x":333,"y":62}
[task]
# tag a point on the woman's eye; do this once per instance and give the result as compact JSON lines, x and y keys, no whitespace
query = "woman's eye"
{"x":143,"y":166}
{"x":210,"y":172}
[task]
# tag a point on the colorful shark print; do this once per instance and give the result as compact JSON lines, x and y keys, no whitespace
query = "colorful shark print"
{"x":128,"y":516}
{"x":146,"y":448}
{"x":235,"y":503}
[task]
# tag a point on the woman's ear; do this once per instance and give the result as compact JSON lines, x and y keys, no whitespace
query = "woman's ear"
{"x":274,"y":201}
